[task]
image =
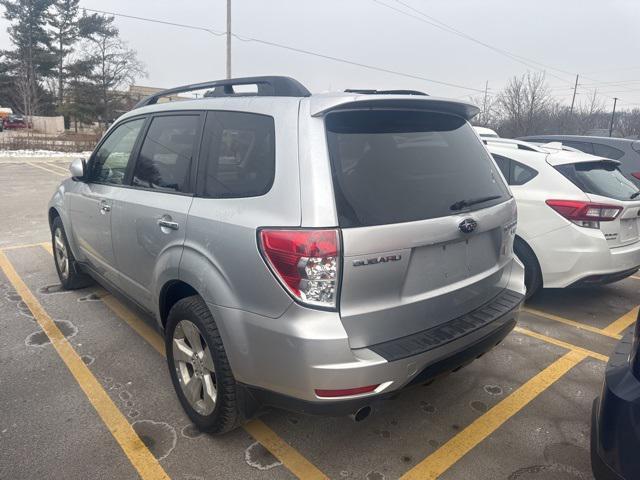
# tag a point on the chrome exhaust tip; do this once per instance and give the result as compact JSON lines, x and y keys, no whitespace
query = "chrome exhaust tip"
{"x":361,"y":414}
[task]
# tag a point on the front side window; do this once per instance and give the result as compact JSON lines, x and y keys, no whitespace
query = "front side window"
{"x":393,"y":166}
{"x":599,"y":178}
{"x":167,"y":152}
{"x":109,"y":163}
{"x":240,"y":155}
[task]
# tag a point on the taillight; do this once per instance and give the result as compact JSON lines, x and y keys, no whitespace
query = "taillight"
{"x":636,"y":175}
{"x":585,"y":214}
{"x":306,"y":262}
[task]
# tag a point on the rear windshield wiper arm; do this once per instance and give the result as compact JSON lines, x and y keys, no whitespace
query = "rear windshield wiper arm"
{"x":634,"y":195}
{"x":472,"y":201}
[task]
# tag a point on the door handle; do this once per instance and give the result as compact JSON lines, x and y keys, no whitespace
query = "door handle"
{"x":168,"y":224}
{"x":104,"y":207}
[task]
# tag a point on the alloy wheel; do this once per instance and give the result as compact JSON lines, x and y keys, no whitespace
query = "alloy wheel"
{"x":194,"y":367}
{"x":60,"y":250}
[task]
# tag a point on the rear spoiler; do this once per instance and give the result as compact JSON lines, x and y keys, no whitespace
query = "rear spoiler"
{"x":322,"y":106}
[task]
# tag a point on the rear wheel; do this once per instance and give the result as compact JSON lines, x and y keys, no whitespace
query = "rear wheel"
{"x":199,"y":367}
{"x":532,"y":273}
{"x":69,"y":273}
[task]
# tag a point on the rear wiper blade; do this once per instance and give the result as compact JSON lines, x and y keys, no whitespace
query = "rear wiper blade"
{"x":634,"y":195}
{"x":472,"y":201}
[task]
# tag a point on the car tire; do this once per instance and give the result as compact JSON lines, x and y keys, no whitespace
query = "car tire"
{"x":532,"y":273}
{"x":69,"y":272}
{"x":211,"y":403}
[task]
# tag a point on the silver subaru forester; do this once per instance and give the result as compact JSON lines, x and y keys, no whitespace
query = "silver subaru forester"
{"x":315,"y":253}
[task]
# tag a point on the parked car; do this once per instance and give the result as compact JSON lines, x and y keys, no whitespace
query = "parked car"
{"x":578,"y":216}
{"x":485,"y":132}
{"x":615,"y":429}
{"x":311,"y":252}
{"x":15,"y":122}
{"x":625,"y":150}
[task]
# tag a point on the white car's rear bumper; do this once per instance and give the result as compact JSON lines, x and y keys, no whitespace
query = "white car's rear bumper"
{"x":575,"y":254}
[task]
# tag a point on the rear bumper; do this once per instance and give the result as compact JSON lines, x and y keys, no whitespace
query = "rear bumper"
{"x":575,"y":255}
{"x":454,"y":360}
{"x":615,"y":430}
{"x":281,"y":362}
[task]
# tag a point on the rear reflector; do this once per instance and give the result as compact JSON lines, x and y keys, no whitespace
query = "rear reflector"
{"x":306,"y":262}
{"x":577,"y":211}
{"x":346,"y":392}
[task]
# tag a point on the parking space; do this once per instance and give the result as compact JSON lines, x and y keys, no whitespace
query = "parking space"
{"x":86,"y":392}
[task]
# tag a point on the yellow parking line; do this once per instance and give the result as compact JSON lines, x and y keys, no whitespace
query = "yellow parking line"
{"x":448,"y":454}
{"x":562,"y":344}
{"x":140,"y":457}
{"x":289,"y":456}
{"x":624,"y":322}
{"x":572,"y":323}
{"x":58,"y":167}
{"x":634,"y":277}
{"x":24,"y":245}
{"x":141,"y":327}
{"x":35,"y":165}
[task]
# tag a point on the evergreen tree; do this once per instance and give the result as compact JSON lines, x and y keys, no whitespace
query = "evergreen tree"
{"x":63,"y":20}
{"x":30,"y":61}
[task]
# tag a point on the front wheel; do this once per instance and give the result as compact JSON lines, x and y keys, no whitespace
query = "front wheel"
{"x":71,"y":278}
{"x":199,"y":367}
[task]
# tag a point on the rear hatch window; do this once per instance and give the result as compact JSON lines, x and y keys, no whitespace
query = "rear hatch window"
{"x":393,"y":166}
{"x":605,"y":184}
{"x":600,"y":178}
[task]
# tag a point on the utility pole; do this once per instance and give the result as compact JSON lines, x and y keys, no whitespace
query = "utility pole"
{"x":613,"y":114}
{"x":228,"y":38}
{"x":484,"y":104}
{"x":573,"y":101}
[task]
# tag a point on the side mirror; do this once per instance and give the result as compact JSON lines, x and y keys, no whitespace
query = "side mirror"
{"x":77,"y":168}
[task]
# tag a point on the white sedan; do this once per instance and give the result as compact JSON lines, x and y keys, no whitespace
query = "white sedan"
{"x":578,"y":216}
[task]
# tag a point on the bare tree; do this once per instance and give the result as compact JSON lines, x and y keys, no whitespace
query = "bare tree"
{"x":115,"y":66}
{"x":523,"y":103}
{"x":628,"y":123}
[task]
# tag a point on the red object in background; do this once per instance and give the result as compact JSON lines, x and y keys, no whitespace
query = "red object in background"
{"x":636,"y":174}
{"x":14,"y":121}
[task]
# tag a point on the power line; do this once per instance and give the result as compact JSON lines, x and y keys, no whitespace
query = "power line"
{"x":292,"y":49}
{"x":430,"y":20}
{"x":163,"y":22}
{"x":448,"y":28}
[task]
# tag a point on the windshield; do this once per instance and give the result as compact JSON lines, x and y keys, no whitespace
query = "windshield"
{"x":392,"y":166}
{"x":600,"y":178}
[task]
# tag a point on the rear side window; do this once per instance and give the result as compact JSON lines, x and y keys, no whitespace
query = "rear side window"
{"x":515,"y":172}
{"x":392,"y":166}
{"x":165,"y":158}
{"x":599,"y":178}
{"x":585,"y":147}
{"x":607,"y":151}
{"x":239,"y":153}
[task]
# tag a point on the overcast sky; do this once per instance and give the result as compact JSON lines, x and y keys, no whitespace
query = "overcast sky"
{"x":598,"y":39}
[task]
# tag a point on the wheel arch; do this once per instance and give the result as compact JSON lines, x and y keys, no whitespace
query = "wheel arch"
{"x":170,"y":293}
{"x":522,"y":242}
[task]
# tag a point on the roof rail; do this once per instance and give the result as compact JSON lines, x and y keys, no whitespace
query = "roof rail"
{"x":268,"y":86}
{"x":520,"y":144}
{"x":385,"y":92}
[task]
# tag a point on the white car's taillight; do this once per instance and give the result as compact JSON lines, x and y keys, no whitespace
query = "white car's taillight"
{"x":585,"y":214}
{"x":306,"y":262}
